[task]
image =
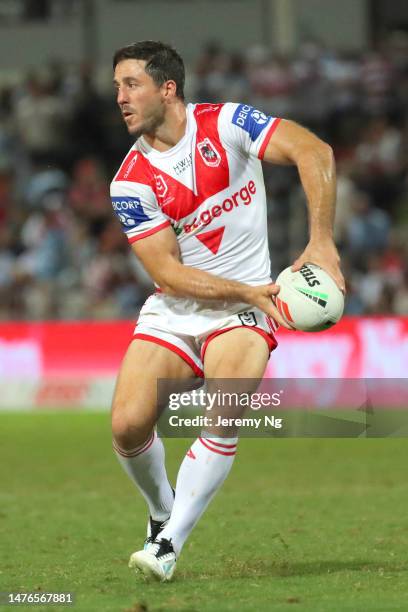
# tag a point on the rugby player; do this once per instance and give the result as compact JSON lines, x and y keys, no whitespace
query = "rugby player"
{"x":191,"y":199}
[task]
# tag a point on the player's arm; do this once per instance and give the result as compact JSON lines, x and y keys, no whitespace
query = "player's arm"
{"x":293,"y":144}
{"x":159,"y":254}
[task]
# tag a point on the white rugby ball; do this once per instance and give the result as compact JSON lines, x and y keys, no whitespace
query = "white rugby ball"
{"x":309,"y":300}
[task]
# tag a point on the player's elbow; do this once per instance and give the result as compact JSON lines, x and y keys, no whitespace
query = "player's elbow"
{"x":319,"y":154}
{"x":326,"y":153}
{"x":162,"y":281}
{"x":328,"y":163}
{"x":166,"y":279}
{"x":168,"y":288}
{"x":320,"y":149}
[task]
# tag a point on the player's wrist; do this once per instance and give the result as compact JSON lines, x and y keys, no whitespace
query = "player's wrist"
{"x":247,"y":294}
{"x":321,"y":237}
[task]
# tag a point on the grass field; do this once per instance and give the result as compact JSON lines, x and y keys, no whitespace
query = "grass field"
{"x":300,"y":525}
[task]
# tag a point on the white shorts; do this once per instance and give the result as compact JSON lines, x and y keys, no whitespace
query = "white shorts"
{"x":186,"y":326}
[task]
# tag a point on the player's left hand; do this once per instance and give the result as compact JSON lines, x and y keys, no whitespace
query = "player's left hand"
{"x":325,"y":255}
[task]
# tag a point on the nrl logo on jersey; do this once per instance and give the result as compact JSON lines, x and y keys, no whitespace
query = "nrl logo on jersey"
{"x":162,"y":191}
{"x":161,"y":185}
{"x":209,"y":153}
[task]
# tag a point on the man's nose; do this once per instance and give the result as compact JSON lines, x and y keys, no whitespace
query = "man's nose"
{"x":121,"y":97}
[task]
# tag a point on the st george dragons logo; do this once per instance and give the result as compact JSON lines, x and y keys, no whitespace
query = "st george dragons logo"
{"x":209,"y":153}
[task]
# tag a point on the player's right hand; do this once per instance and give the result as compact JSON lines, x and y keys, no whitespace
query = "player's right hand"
{"x":263,"y":298}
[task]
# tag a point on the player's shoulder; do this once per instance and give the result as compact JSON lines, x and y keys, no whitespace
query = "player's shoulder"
{"x":135,"y":168}
{"x":231,"y":116}
{"x":217,"y":119}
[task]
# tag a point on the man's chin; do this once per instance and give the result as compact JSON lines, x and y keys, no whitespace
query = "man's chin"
{"x":147,"y":127}
{"x":135,"y":132}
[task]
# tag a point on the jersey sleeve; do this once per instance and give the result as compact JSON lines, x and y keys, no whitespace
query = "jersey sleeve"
{"x":137,"y":209}
{"x":246,"y":128}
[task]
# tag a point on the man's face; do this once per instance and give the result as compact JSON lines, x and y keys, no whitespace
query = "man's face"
{"x":140,"y":100}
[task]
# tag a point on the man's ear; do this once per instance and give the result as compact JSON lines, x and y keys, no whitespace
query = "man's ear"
{"x":169,"y":89}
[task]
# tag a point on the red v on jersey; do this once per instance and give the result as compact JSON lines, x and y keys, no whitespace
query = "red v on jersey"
{"x":211,"y":173}
{"x":210,"y":166}
{"x":212,"y":239}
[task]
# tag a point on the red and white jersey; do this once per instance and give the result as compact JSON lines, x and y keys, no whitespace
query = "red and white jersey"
{"x":209,"y":188}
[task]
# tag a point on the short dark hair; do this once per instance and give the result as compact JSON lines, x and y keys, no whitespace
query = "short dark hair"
{"x":163,"y":63}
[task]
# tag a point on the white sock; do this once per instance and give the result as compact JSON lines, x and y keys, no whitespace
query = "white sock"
{"x":145,"y":466}
{"x":202,"y":472}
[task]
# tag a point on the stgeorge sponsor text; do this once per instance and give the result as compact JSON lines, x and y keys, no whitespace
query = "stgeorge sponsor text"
{"x":242,"y":196}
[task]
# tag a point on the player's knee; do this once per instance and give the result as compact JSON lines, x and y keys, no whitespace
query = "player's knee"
{"x":128,"y":429}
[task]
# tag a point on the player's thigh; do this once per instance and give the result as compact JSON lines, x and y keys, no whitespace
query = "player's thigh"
{"x":234,"y":366}
{"x":135,"y":405}
{"x":237,"y":353}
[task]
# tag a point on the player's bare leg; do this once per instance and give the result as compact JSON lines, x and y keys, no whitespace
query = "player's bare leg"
{"x":134,"y":414}
{"x":236,"y":354}
{"x":134,"y":404}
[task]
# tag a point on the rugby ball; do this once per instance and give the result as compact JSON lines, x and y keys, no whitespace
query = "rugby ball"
{"x":309,"y":300}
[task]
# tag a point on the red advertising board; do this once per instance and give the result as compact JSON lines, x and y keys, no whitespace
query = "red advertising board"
{"x":369,"y":347}
{"x":75,"y":363}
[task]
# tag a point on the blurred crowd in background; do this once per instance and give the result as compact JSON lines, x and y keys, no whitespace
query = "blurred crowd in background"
{"x":62,"y":252}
